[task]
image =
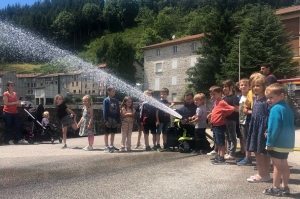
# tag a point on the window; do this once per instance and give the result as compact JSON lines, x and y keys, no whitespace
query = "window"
{"x":74,"y":91}
{"x":174,"y":80}
{"x":76,"y":83}
{"x":28,"y":91}
{"x":194,"y":46}
{"x":72,"y":83}
{"x":42,"y":84}
{"x":174,"y":49}
{"x":56,"y":82}
{"x":85,"y":86}
{"x":85,"y":92}
{"x":89,"y":92}
{"x":33,"y":85}
{"x":93,"y":91}
{"x":174,"y":64}
{"x":158,"y":67}
{"x":174,"y":96}
{"x":193,"y":61}
{"x":156,"y":85}
{"x":157,"y":52}
{"x":28,"y":85}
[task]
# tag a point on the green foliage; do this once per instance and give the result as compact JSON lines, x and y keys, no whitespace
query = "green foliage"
{"x":119,"y":57}
{"x":64,"y":24}
{"x":262,"y":39}
{"x":68,"y":100}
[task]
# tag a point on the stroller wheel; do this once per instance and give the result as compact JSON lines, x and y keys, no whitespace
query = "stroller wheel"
{"x":52,"y":140}
{"x":60,"y":140}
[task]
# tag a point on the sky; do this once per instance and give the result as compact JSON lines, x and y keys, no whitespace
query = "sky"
{"x":4,"y":3}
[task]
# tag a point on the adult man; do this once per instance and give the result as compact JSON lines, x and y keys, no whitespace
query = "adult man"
{"x":265,"y":69}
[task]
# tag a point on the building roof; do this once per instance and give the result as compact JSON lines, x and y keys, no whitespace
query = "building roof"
{"x":287,"y":10}
{"x":29,"y":75}
{"x":174,"y":41}
{"x":103,"y":65}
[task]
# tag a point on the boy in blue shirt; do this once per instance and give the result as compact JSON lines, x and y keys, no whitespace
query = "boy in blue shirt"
{"x":280,"y":138}
{"x":111,"y":115}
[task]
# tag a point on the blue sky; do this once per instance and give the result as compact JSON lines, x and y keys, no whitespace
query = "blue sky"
{"x":4,"y":3}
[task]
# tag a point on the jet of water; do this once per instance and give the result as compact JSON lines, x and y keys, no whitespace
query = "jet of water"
{"x":25,"y":43}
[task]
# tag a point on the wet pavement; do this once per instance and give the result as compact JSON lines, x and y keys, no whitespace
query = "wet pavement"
{"x":46,"y":171}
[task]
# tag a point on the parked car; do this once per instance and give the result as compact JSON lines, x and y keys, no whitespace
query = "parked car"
{"x":27,"y":103}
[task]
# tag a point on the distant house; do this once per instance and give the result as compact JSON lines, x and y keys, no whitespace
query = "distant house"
{"x":166,"y":63}
{"x":20,"y":87}
{"x":290,"y":17}
{"x":30,"y":81}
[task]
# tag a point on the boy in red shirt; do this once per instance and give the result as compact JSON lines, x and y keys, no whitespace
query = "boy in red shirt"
{"x":217,"y":119}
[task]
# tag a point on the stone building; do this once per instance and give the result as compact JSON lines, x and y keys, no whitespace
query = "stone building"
{"x":166,"y":63}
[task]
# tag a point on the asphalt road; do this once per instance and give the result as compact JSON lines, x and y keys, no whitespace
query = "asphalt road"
{"x":46,"y":171}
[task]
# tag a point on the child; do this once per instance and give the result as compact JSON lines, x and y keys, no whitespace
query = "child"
{"x":217,"y":118}
{"x":45,"y":120}
{"x":248,"y":105}
{"x":140,"y":127}
{"x":280,"y":138}
{"x":232,"y":119}
{"x":148,"y":119}
{"x":127,"y":118}
{"x":86,"y":122}
{"x":162,"y":120}
{"x":111,"y":114}
{"x":64,"y":114}
{"x":256,"y":141}
{"x":201,"y":144}
{"x":244,"y":87}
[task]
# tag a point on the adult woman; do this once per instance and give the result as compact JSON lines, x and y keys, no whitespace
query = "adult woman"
{"x":11,"y":115}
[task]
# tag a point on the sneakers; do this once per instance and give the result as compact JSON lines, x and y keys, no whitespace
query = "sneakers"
{"x":154,"y":148}
{"x":245,"y":162}
{"x":218,"y":161}
{"x":106,"y":150}
{"x":214,"y":158}
{"x":137,"y":146}
{"x":196,"y":153}
{"x":112,"y":149}
{"x":148,"y":148}
{"x":11,"y":142}
{"x":213,"y":152}
{"x":229,"y":157}
{"x":273,"y":191}
{"x":122,"y":149}
{"x":129,"y":149}
{"x":285,"y":190}
{"x":64,"y":146}
{"x":22,"y":141}
{"x":88,"y":148}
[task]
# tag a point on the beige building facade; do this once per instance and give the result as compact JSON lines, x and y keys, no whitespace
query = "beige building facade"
{"x":166,"y":63}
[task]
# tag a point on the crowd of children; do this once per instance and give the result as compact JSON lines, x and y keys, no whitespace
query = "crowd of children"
{"x":250,"y":110}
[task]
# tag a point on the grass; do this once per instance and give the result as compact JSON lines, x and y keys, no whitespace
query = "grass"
{"x":21,"y":68}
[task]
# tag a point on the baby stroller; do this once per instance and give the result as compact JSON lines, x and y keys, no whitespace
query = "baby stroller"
{"x":40,"y":133}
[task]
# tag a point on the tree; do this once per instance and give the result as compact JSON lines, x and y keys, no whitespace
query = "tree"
{"x":262,"y":39}
{"x":63,"y":26}
{"x":91,"y":13}
{"x":164,"y":26}
{"x":119,"y":57}
{"x":145,"y":17}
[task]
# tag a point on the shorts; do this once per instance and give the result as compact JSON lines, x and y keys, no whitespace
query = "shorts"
{"x":163,"y":127}
{"x":277,"y":155}
{"x":244,"y":131}
{"x":112,"y":126}
{"x":67,"y":121}
{"x":150,"y":127}
{"x":219,"y":134}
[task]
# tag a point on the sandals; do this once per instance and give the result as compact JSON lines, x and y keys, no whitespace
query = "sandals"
{"x":257,"y":178}
{"x":285,"y":190}
{"x":273,"y":191}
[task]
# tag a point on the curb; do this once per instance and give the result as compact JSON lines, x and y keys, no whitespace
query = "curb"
{"x":295,"y":149}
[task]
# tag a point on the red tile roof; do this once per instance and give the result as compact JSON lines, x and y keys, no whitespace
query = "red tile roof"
{"x":28,"y":75}
{"x":175,"y":41}
{"x":287,"y":10}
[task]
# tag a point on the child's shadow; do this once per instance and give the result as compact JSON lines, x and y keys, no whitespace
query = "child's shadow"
{"x":293,"y":195}
{"x":295,"y":171}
